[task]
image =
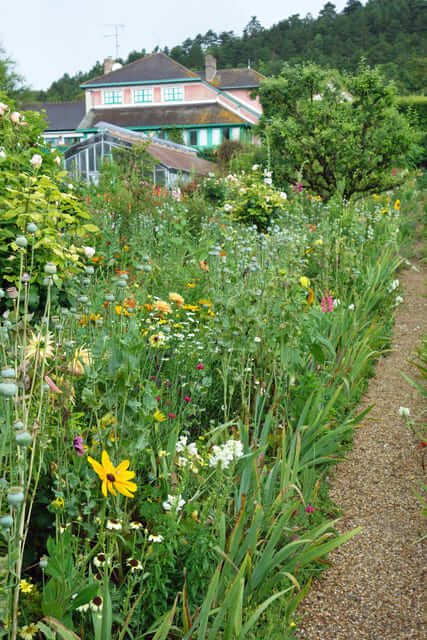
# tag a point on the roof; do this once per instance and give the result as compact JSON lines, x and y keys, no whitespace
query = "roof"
{"x":153,"y":68}
{"x":180,"y":159}
{"x":170,"y":154}
{"x":61,"y":116}
{"x":163,"y":116}
{"x":235,"y":78}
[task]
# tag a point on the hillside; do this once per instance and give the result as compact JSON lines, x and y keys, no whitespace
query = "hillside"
{"x":390,"y":33}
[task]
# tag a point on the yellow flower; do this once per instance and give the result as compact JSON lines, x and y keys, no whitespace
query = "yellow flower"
{"x":191,"y":307}
{"x":205,"y":303}
{"x":397,"y":205}
{"x":304,"y":282}
{"x":114,"y":479}
{"x":190,"y":285}
{"x":310,"y":296}
{"x":159,"y":416}
{"x":175,"y":297}
{"x":319,"y":241}
{"x":28,"y":631}
{"x":58,"y":503}
{"x":26,"y":587}
{"x":82,"y":358}
{"x":39,"y":346}
{"x":162,"y":306}
{"x":157,"y":339}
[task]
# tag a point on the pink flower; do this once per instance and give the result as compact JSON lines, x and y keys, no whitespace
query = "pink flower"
{"x":309,"y":509}
{"x":15,"y":117}
{"x":78,"y":446}
{"x":36,"y":160}
{"x":330,"y":303}
{"x":323,"y":305}
{"x":158,"y":398}
{"x":200,"y":366}
{"x":3,"y":108}
{"x":52,"y":385}
{"x":171,"y":415}
{"x":187,"y":399}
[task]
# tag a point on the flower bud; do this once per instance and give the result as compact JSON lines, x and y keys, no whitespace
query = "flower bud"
{"x":32,"y":227}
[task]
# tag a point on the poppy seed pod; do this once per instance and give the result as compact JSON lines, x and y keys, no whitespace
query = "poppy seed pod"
{"x":21,"y":241}
{"x":8,"y":389}
{"x":15,"y":496}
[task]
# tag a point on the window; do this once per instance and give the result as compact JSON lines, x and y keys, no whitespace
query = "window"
{"x":193,"y":137}
{"x":226,"y":133}
{"x":113,"y":96}
{"x":142,"y":95}
{"x":171,"y":94}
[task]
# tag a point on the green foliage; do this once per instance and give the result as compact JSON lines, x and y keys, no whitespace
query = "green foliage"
{"x":415,"y":109}
{"x":33,"y":191}
{"x":252,"y":200}
{"x":334,"y":133}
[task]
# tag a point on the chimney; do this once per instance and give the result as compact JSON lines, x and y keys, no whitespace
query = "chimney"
{"x":210,"y":68}
{"x":108,"y":65}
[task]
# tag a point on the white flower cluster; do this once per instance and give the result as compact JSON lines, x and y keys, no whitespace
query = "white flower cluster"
{"x":404,"y":411}
{"x":393,"y":285}
{"x":226,"y":453}
{"x":190,"y":454}
{"x":173,"y":503}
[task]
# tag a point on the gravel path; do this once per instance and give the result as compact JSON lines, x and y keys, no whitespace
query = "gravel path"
{"x":375,"y":588}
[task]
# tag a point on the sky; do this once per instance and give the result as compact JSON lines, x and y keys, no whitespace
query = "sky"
{"x":47,"y":38}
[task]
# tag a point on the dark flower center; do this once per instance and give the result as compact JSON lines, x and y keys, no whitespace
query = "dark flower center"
{"x":110,"y":477}
{"x":97,"y":601}
{"x":133,"y":562}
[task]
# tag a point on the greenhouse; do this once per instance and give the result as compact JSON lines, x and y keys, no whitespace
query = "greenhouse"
{"x":172,"y":162}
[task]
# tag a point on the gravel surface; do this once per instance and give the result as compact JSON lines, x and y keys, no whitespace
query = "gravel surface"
{"x":375,"y":588}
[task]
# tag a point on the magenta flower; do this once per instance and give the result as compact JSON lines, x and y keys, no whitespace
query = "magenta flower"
{"x":200,"y":366}
{"x":309,"y":509}
{"x":171,"y":415}
{"x":330,"y":303}
{"x":187,"y":399}
{"x":78,"y":446}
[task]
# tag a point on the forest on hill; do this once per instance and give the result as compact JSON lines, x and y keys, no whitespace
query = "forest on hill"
{"x":389,"y":33}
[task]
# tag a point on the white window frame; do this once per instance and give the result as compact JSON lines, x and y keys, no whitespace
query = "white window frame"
{"x":177,"y":92}
{"x":143,"y":92}
{"x":114,"y":93}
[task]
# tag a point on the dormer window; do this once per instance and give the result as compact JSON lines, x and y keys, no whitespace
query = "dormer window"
{"x":113,"y":96}
{"x":173,"y":94}
{"x":142,"y":95}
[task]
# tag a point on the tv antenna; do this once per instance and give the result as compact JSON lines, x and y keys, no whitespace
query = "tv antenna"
{"x":115,"y":35}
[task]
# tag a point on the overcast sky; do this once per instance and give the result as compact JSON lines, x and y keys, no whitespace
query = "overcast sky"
{"x":47,"y":38}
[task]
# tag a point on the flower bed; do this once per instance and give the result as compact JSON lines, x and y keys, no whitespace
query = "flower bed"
{"x":171,"y":403}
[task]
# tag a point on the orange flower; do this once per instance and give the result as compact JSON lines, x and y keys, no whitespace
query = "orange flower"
{"x":162,"y":306}
{"x":310,"y":296}
{"x":175,"y":297}
{"x":204,"y":265}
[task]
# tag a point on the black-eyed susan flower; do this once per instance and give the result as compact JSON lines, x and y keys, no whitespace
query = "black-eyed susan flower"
{"x":157,"y":339}
{"x":159,"y":416}
{"x":134,"y":564}
{"x":114,"y":478}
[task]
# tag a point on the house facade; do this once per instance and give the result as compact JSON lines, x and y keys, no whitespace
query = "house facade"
{"x":162,"y":98}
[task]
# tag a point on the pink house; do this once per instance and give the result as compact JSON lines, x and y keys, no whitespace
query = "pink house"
{"x":155,"y":95}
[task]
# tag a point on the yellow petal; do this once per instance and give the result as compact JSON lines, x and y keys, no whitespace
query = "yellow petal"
{"x":104,"y":489}
{"x":96,"y":467}
{"x":122,"y":466}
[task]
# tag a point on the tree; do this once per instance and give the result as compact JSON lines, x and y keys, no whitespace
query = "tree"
{"x":332,"y":132}
{"x":10,"y":81}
